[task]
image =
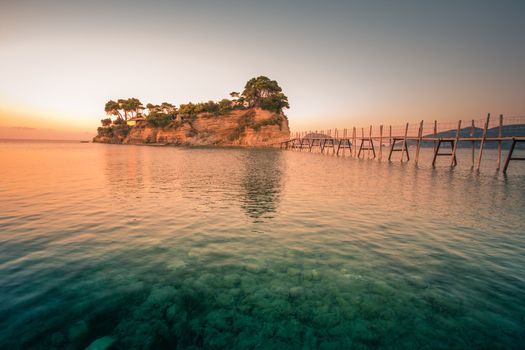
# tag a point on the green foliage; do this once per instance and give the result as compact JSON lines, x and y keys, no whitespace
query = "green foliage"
{"x":259,"y":92}
{"x":190,"y":109}
{"x":276,"y":119}
{"x":225,"y":106}
{"x":187,"y":109}
{"x":112,"y":109}
{"x":158,"y":119}
{"x":105,"y":131}
{"x":265,"y":93}
{"x":274,"y":103}
{"x":131,"y":107}
{"x":168,"y":108}
{"x":246,"y":120}
{"x":119,"y":121}
{"x":105,"y":121}
{"x":121,"y":130}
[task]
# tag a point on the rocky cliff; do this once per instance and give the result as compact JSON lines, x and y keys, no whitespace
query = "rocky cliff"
{"x":251,"y":127}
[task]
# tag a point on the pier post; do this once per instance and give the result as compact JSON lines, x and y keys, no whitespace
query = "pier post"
{"x":380,"y":142}
{"x":453,"y":160}
{"x":499,"y":142}
{"x":369,"y":141}
{"x":354,"y":141}
{"x":404,"y":147}
{"x":483,"y":140}
{"x":472,"y":129}
{"x":390,"y":137}
{"x":435,"y":133}
{"x":419,"y":136}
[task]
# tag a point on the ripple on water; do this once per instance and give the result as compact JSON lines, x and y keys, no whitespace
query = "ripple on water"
{"x":140,"y":248}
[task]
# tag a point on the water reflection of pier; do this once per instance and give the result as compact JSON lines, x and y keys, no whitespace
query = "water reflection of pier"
{"x":445,"y":139}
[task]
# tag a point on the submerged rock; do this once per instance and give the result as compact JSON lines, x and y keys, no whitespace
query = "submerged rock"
{"x":296,"y":292}
{"x":101,"y":343}
{"x":176,"y":264}
{"x":254,"y":268}
{"x":77,"y":331}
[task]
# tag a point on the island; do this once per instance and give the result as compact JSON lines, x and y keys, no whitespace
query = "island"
{"x":252,"y":118}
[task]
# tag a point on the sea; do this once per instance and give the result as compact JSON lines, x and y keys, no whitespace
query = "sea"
{"x":136,"y":247}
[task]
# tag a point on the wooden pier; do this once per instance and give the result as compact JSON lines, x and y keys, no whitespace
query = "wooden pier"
{"x":365,"y":145}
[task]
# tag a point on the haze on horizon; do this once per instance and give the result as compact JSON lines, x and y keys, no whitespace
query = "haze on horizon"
{"x":341,"y":63}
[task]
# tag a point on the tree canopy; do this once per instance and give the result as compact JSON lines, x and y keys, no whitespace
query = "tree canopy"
{"x":265,"y":93}
{"x":260,"y":92}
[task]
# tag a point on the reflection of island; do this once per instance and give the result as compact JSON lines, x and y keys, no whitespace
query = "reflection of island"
{"x":261,"y":182}
{"x":124,"y":169}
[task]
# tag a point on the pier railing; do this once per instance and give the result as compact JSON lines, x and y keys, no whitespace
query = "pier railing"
{"x":501,"y":132}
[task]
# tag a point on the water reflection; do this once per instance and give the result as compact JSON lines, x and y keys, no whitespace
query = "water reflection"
{"x":261,"y":183}
{"x":124,"y":170}
{"x":228,"y":248}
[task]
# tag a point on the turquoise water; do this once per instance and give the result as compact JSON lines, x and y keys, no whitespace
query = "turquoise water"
{"x":170,"y":248}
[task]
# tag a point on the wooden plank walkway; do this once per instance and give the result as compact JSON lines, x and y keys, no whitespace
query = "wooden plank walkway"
{"x":325,"y":143}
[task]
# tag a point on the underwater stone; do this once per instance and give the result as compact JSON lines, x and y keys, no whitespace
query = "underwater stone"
{"x":171,"y":312}
{"x":224,"y":299}
{"x":78,"y":330}
{"x":57,"y":338}
{"x":160,"y":295}
{"x":254,"y":268}
{"x":295,"y":292}
{"x":293,"y":272}
{"x":231,"y":280}
{"x":235,"y":292}
{"x":329,"y":345}
{"x":101,"y":343}
{"x":312,"y":275}
{"x":176,"y":264}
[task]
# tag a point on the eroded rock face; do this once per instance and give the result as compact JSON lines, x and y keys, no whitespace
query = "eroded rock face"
{"x":252,"y":127}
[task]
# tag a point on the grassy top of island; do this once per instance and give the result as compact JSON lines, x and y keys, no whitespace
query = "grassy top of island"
{"x":259,"y":106}
{"x":260,"y":92}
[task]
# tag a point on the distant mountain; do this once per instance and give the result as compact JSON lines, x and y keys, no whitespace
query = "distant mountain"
{"x":506,"y":130}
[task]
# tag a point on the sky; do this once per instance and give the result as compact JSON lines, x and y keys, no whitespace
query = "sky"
{"x":341,"y":63}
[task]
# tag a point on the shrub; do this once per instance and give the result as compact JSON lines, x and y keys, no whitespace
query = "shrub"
{"x":274,"y":103}
{"x":119,"y":121}
{"x":105,"y":131}
{"x":121,"y":130}
{"x":161,"y":120}
{"x":245,"y":120}
{"x":225,"y":106}
{"x":276,"y":119}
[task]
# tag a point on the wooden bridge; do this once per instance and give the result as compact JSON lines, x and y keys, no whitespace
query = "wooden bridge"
{"x":357,"y":146}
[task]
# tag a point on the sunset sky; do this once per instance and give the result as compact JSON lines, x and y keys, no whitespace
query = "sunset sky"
{"x":341,"y":63}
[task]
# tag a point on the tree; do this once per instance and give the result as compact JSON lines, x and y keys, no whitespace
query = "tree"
{"x":135,"y":106}
{"x":153,"y":108}
{"x":264,"y":91}
{"x":131,"y":107}
{"x":168,"y":108}
{"x":105,"y":121}
{"x":275,"y":103}
{"x":187,"y":109}
{"x":112,"y":108}
{"x":225,"y":106}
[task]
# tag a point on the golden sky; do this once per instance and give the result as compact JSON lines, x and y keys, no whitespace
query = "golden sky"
{"x":341,"y":63}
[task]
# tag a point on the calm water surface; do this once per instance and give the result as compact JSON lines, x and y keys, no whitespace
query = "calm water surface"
{"x":151,"y":248}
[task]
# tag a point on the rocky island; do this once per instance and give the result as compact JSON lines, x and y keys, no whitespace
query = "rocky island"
{"x":252,"y":118}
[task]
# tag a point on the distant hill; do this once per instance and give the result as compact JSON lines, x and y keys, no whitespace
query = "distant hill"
{"x":506,"y":130}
